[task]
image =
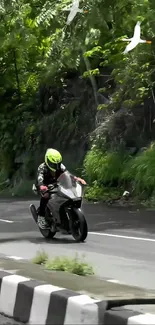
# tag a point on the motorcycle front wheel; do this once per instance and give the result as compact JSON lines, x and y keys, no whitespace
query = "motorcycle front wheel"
{"x":79,"y":226}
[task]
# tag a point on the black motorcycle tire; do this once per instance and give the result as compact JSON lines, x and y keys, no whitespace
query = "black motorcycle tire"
{"x":46,"y":233}
{"x":78,"y":216}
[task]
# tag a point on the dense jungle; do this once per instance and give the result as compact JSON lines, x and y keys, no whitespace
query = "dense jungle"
{"x":71,"y":87}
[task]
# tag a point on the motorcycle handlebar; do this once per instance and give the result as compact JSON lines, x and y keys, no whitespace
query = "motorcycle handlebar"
{"x":52,"y":187}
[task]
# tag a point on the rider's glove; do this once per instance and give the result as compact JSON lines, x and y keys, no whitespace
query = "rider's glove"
{"x":43,"y":188}
{"x":82,"y":181}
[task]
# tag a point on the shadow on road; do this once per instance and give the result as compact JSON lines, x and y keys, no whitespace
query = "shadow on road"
{"x":39,"y":240}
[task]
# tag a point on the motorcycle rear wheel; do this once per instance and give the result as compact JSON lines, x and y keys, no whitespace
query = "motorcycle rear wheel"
{"x":46,"y":233}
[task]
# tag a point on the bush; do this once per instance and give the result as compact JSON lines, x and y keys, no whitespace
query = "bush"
{"x":140,"y":172}
{"x":65,"y":264}
{"x":71,"y":265}
{"x":103,"y":172}
{"x":97,"y":193}
{"x":109,"y":174}
{"x":104,"y":168}
{"x":40,"y":258}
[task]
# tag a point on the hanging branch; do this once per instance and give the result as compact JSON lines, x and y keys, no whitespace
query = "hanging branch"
{"x":17,"y":75}
{"x":92,"y":79}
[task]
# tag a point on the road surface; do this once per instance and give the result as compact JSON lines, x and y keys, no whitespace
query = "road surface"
{"x":120,"y":244}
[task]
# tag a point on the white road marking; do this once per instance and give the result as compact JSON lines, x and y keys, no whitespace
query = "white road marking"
{"x":114,"y":281}
{"x":5,"y":220}
{"x":121,"y":236}
{"x":12,"y":271}
{"x":15,"y":257}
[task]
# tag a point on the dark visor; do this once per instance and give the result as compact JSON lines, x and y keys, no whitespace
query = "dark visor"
{"x":52,"y":165}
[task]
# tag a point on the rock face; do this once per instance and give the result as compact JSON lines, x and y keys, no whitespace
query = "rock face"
{"x":64,"y":117}
{"x":70,"y":121}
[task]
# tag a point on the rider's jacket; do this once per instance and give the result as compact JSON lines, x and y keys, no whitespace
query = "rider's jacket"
{"x":45,"y":177}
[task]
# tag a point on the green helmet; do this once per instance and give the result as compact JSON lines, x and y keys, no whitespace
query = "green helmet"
{"x":53,"y":159}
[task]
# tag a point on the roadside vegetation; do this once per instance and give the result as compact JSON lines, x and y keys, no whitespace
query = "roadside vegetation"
{"x":121,"y":172}
{"x":65,"y":264}
{"x":72,"y":88}
{"x":40,"y":258}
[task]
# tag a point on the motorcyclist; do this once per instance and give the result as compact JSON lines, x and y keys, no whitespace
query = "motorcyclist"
{"x":48,"y":173}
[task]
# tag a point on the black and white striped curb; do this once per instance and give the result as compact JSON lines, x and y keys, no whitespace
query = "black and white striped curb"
{"x":35,"y":302}
{"x":122,"y":316}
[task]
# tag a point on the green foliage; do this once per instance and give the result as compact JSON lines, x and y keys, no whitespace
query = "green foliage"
{"x":103,"y":172}
{"x":103,"y":167}
{"x":22,"y":188}
{"x":140,"y":172}
{"x":40,"y":106}
{"x":102,"y":193}
{"x":40,"y":258}
{"x":70,"y":265}
{"x":119,"y":171}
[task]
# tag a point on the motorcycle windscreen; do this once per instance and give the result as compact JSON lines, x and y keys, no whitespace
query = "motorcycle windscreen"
{"x":69,"y":187}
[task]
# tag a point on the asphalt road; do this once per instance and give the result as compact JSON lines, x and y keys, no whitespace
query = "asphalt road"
{"x":120,"y":244}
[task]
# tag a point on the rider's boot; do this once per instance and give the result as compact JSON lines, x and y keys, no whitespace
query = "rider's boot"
{"x":42,"y":223}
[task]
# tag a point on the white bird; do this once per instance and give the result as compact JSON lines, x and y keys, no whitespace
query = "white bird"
{"x":135,"y":40}
{"x":73,"y":11}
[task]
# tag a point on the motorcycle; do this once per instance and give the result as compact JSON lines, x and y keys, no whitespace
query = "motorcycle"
{"x":67,"y":202}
